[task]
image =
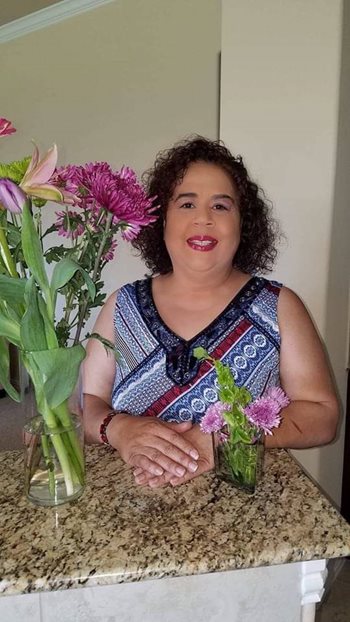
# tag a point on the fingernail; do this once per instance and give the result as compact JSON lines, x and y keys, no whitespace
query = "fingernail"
{"x":158,"y":471}
{"x":180,"y":471}
{"x":193,"y":466}
{"x":194,"y":454}
{"x":153,"y":483}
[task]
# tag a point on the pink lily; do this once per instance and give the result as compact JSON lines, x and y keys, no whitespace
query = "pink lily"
{"x":6,"y":127}
{"x":36,"y":180}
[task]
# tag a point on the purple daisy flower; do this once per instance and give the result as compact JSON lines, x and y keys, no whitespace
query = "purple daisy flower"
{"x":278,"y":395}
{"x":264,"y":414}
{"x":213,"y":419}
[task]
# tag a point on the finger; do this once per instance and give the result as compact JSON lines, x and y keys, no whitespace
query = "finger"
{"x":138,"y":471}
{"x":145,"y":464}
{"x":184,"y":426}
{"x":144,"y":478}
{"x":163,"y":480}
{"x":169,"y":457}
{"x":203,"y":467}
{"x":169,"y":434}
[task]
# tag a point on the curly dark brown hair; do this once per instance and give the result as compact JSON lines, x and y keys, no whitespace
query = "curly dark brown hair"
{"x":259,"y":231}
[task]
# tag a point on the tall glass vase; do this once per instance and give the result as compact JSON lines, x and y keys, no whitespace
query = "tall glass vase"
{"x":240,"y":464}
{"x":54,"y":461}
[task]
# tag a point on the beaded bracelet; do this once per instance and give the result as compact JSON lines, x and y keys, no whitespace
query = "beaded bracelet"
{"x":103,"y":427}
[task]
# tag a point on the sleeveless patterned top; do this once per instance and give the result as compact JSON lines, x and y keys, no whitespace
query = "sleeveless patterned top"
{"x":157,"y":374}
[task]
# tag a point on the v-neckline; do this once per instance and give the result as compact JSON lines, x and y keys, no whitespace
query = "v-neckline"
{"x":234,"y":300}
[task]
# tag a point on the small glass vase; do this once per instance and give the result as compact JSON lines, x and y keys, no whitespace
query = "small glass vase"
{"x":240,"y":464}
{"x":54,"y":461}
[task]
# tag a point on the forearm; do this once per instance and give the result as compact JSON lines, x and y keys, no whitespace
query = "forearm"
{"x":95,"y":409}
{"x":305,"y":424}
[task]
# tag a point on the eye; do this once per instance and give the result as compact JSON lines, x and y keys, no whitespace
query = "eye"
{"x":187,"y":205}
{"x":221,"y":207}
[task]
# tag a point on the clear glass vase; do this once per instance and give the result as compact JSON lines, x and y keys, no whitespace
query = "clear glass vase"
{"x":54,"y":461}
{"x":240,"y":464}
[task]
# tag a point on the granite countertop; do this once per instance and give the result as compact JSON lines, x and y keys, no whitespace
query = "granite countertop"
{"x":118,"y":532}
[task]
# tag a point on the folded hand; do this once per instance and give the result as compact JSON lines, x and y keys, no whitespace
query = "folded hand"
{"x":203,"y":444}
{"x":153,"y":445}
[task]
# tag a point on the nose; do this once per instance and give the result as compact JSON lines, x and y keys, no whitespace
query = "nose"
{"x":203,"y":215}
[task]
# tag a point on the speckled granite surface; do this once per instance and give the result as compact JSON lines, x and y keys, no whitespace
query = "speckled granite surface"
{"x":119,"y":532}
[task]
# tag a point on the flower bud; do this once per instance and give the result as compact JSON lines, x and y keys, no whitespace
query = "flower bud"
{"x":11,"y":196}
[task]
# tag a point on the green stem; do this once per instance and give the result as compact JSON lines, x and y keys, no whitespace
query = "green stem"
{"x":46,"y":454}
{"x":6,"y":255}
{"x":97,"y":267}
{"x":69,"y":300}
{"x":52,"y":421}
{"x":65,"y":418}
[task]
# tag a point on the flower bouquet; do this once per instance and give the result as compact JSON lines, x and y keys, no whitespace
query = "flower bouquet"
{"x":96,"y":203}
{"x":238,"y":426}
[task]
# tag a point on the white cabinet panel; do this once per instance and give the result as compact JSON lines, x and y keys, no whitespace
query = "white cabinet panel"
{"x":23,"y":608}
{"x":268,"y":594}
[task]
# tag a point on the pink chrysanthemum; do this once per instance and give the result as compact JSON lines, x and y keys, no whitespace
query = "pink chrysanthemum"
{"x":213,"y":419}
{"x":108,"y":255}
{"x":264,"y":414}
{"x":120,"y":193}
{"x":278,"y":395}
{"x":69,"y":224}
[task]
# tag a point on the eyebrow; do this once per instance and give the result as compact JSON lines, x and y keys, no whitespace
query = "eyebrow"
{"x":194,"y":194}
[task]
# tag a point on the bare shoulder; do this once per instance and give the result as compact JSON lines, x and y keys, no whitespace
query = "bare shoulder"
{"x":104,"y":324}
{"x":292,"y":311}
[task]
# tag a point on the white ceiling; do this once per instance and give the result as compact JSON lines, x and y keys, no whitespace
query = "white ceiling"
{"x":10,"y":10}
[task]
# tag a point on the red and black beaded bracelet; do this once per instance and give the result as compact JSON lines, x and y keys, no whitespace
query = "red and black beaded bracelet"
{"x":103,"y":427}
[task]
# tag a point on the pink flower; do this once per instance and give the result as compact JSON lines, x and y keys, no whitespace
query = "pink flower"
{"x":6,"y":127}
{"x":12,"y":197}
{"x":121,"y":194}
{"x":108,"y":255}
{"x":278,"y":395}
{"x":213,"y":419}
{"x":69,"y":224}
{"x":264,"y":414}
{"x":117,"y":192}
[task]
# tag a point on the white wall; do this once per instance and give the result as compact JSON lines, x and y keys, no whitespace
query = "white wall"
{"x":279,"y":109}
{"x":118,"y":83}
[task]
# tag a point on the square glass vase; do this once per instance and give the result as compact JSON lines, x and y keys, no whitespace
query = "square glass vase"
{"x":240,"y":464}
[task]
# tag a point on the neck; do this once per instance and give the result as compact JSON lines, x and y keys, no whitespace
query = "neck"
{"x":205,"y":281}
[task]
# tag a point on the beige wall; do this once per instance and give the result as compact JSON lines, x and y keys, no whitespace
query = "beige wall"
{"x":118,"y":83}
{"x":279,"y":108}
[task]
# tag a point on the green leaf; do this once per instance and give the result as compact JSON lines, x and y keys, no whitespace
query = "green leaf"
{"x":11,"y":289}
{"x":108,"y":345}
{"x":64,"y":271}
{"x":10,"y":329}
{"x":13,"y":235}
{"x":50,"y":333}
{"x":15,"y":170}
{"x":200,"y":353}
{"x":32,"y":250}
{"x":33,"y":334}
{"x":5,"y":371}
{"x":55,"y":253}
{"x":60,"y":370}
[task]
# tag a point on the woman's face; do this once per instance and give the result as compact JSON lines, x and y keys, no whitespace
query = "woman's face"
{"x":202,"y":225}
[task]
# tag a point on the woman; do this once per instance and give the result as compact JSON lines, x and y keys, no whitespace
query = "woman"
{"x":213,"y":233}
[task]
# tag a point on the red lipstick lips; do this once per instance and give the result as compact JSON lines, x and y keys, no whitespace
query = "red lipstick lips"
{"x":202,"y":243}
